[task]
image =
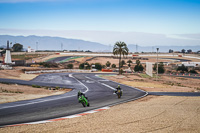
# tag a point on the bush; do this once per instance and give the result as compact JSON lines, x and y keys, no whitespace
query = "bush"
{"x":57,"y":88}
{"x":182,"y":68}
{"x":160,"y":67}
{"x":108,"y":64}
{"x":138,"y":67}
{"x":36,"y":86}
{"x":85,"y":65}
{"x":98,"y":66}
{"x":129,"y":63}
{"x":113,"y":66}
{"x":121,"y":71}
{"x":48,"y":64}
{"x":122,"y":63}
{"x":70,"y":66}
{"x":193,"y":71}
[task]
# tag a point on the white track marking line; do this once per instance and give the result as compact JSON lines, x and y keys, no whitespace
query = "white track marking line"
{"x":87,"y":89}
{"x":102,"y":83}
{"x":123,"y":84}
{"x":63,"y":118}
{"x":108,"y":86}
{"x":39,"y":122}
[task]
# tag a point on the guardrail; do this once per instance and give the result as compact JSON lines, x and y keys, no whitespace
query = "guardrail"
{"x":57,"y":71}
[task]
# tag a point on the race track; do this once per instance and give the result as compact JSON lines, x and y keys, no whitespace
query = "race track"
{"x":99,"y":92}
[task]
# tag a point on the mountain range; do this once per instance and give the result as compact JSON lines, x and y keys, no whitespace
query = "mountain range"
{"x":59,"y":43}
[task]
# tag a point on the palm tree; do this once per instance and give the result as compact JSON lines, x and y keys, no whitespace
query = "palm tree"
{"x":120,"y":48}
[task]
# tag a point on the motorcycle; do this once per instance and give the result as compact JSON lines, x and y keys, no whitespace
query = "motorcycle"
{"x":83,"y":101}
{"x":119,"y":93}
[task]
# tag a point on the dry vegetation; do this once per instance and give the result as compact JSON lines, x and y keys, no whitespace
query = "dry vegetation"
{"x":14,"y":92}
{"x":17,"y":73}
{"x":165,"y":83}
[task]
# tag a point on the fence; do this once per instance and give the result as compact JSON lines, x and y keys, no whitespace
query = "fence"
{"x":56,"y":71}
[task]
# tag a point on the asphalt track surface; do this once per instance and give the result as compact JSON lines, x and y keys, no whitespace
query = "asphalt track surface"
{"x":99,"y":92}
{"x":58,"y":59}
{"x":185,"y":94}
{"x":177,"y":59}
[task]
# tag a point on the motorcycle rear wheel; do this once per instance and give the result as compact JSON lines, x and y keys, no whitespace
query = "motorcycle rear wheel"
{"x":83,"y":104}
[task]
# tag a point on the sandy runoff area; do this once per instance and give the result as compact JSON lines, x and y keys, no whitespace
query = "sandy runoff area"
{"x":157,"y":114}
{"x":15,"y":92}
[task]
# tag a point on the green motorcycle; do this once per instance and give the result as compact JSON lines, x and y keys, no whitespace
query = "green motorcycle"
{"x":84,"y":101}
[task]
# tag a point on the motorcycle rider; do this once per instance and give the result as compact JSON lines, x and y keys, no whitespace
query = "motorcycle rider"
{"x":81,"y":94}
{"x":118,"y":88}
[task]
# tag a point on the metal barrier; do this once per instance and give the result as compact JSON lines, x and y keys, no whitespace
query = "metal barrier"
{"x":57,"y":71}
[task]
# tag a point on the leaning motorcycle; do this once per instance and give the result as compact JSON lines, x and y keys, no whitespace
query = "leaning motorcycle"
{"x":119,"y":93}
{"x":83,"y":101}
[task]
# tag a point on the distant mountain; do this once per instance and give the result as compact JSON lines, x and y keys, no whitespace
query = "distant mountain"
{"x":53,"y":43}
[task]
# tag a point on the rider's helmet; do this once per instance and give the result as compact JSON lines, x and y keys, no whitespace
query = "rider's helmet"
{"x":118,"y":86}
{"x":79,"y":92}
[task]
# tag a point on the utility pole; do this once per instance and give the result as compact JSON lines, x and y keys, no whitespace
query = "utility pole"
{"x":136,"y":48}
{"x":61,"y":46}
{"x":36,"y":46}
{"x":152,"y":49}
{"x":157,"y":65}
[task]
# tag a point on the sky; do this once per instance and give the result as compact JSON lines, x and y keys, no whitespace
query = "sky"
{"x":70,"y":18}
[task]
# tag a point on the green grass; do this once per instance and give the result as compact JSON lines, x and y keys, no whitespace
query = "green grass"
{"x":36,"y":86}
{"x":50,"y":59}
{"x":5,"y":83}
{"x":72,"y":58}
{"x":144,"y":75}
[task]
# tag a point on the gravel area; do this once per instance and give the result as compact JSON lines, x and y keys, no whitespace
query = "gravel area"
{"x":150,"y":114}
{"x":165,"y":84}
{"x":14,"y":92}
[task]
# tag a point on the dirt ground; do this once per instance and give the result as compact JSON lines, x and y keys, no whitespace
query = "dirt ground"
{"x":14,"y":92}
{"x":157,"y":114}
{"x":165,"y":83}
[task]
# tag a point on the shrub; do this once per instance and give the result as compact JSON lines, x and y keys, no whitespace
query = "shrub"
{"x":36,"y":86}
{"x":138,"y":67}
{"x":121,"y":71}
{"x":98,"y":66}
{"x":113,"y":66}
{"x":85,"y":65}
{"x":193,"y":71}
{"x":70,"y":66}
{"x":160,"y":67}
{"x":122,"y":63}
{"x":48,"y":64}
{"x":108,"y":64}
{"x":182,"y":68}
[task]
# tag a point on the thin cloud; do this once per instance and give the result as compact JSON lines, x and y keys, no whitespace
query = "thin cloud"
{"x":21,"y":1}
{"x":29,"y":1}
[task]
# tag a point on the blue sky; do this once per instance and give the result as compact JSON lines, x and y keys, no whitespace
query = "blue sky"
{"x":173,"y":22}
{"x":151,"y":16}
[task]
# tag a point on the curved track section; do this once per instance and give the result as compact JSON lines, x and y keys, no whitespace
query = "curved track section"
{"x":99,"y":92}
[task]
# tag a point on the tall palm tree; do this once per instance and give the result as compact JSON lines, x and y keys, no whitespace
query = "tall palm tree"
{"x":120,"y":48}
